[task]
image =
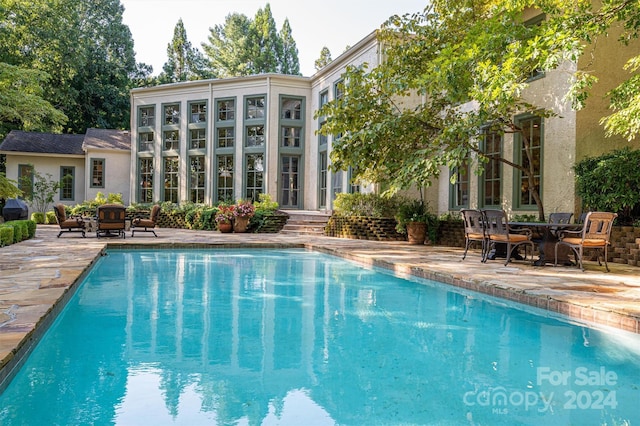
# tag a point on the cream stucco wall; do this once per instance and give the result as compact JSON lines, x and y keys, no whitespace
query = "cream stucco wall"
{"x":116,"y":173}
{"x":45,"y":164}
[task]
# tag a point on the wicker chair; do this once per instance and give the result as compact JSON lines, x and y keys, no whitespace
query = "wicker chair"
{"x":595,"y":234}
{"x":68,"y":224}
{"x":146,"y":225}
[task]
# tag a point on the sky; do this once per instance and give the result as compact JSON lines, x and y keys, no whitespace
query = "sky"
{"x":335,"y":24}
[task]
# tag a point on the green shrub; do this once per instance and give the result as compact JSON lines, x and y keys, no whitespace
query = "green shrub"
{"x":31,"y":228}
{"x":37,"y":217}
{"x":51,"y":218}
{"x":17,"y":230}
{"x":610,"y":182}
{"x":371,"y":205}
{"x":6,"y":235}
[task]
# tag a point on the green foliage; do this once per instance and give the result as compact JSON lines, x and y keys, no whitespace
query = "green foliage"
{"x":8,"y":188}
{"x":38,"y":217}
{"x":17,"y":230}
{"x":6,"y":235}
{"x":525,"y":218}
{"x":324,"y":59}
{"x":84,"y":54}
{"x":371,"y":205}
{"x":266,"y":204}
{"x":184,"y":62}
{"x":51,"y":217}
{"x":31,"y":228}
{"x":610,"y":182}
{"x":242,"y":46}
{"x":88,"y":207}
{"x":44,"y":190}
{"x":415,"y":211}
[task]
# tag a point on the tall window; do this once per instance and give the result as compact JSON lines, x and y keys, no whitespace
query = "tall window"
{"x":196,"y":179}
{"x":531,"y":135}
{"x":291,"y":109}
{"x":25,"y":179}
{"x":225,"y":137}
{"x":97,"y":173}
{"x":145,"y":142}
{"x":146,"y":117}
{"x":171,"y":114}
{"x":254,"y":136}
{"x":255,"y":108}
{"x":255,"y":176}
{"x":198,"y":112}
{"x":171,"y":179}
{"x":336,"y":184}
{"x":67,"y":182}
{"x":491,"y":178}
{"x":198,"y":139}
{"x":322,"y":190}
{"x":290,"y":136}
{"x":226,"y":110}
{"x":353,"y":187}
{"x":225,"y":178}
{"x":171,"y":140}
{"x":460,"y":187}
{"x":145,"y":168}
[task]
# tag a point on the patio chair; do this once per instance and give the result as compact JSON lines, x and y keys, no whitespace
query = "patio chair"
{"x":110,"y":220}
{"x":595,"y":234}
{"x":474,"y":231}
{"x":68,"y":224}
{"x":499,"y":232}
{"x":146,"y":225}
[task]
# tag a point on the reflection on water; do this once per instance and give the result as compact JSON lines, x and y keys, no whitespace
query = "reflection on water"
{"x":291,"y":337}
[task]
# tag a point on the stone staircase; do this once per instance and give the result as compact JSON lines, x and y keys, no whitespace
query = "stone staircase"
{"x":305,"y":222}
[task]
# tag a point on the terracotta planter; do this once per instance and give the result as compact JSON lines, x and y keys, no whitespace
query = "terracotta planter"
{"x":416,"y":232}
{"x":225,"y":227}
{"x":240,"y":224}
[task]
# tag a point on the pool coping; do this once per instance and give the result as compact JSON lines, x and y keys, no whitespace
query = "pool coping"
{"x":409,"y":262}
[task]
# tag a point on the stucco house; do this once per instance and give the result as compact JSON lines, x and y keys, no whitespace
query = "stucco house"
{"x":97,"y":161}
{"x":222,"y":139}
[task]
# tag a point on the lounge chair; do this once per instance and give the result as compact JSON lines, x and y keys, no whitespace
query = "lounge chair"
{"x":474,"y":230}
{"x":595,"y":234}
{"x":146,"y":225}
{"x":110,"y":220}
{"x":499,"y":232}
{"x":68,"y":224}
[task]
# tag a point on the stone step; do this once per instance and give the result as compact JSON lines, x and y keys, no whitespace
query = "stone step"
{"x":305,"y":222}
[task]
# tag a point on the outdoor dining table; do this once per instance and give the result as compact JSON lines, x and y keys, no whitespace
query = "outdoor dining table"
{"x":546,"y":236}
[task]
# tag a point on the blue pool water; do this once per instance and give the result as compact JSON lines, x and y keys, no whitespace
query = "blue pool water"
{"x":291,"y":337}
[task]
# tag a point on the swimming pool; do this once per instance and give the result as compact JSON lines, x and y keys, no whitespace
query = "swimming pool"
{"x":294,"y":337}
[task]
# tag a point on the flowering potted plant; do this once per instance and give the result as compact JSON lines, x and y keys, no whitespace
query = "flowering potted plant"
{"x":224,"y":218}
{"x":243,"y":210}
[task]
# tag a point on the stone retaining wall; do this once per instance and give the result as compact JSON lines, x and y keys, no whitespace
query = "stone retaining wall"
{"x":363,"y":228}
{"x":625,"y":245}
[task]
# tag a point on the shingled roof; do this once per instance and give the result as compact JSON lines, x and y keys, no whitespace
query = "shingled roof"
{"x":42,"y":143}
{"x":108,"y":139}
{"x":50,"y":143}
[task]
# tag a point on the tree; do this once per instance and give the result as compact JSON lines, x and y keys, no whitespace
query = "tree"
{"x":265,"y":43}
{"x":8,"y":188}
{"x":289,"y":62}
{"x":324,"y":59}
{"x":44,"y":189}
{"x":228,"y":48}
{"x":84,"y":48}
{"x":243,"y":46}
{"x":184,"y":62}
{"x":21,"y":103}
{"x":469,"y":63}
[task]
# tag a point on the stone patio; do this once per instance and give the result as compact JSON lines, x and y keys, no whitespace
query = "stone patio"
{"x":36,"y":276}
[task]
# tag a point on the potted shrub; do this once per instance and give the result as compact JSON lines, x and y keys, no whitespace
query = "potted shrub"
{"x":413,"y":218}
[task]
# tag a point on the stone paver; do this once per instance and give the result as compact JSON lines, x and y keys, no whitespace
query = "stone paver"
{"x":37,"y":276}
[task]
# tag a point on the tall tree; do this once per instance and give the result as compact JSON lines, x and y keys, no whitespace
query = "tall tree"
{"x":265,"y":43}
{"x":244,"y":47}
{"x":228,"y":48}
{"x":184,"y":62}
{"x":324,"y":59}
{"x":478,"y":54}
{"x":84,"y":48}
{"x":289,"y":62}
